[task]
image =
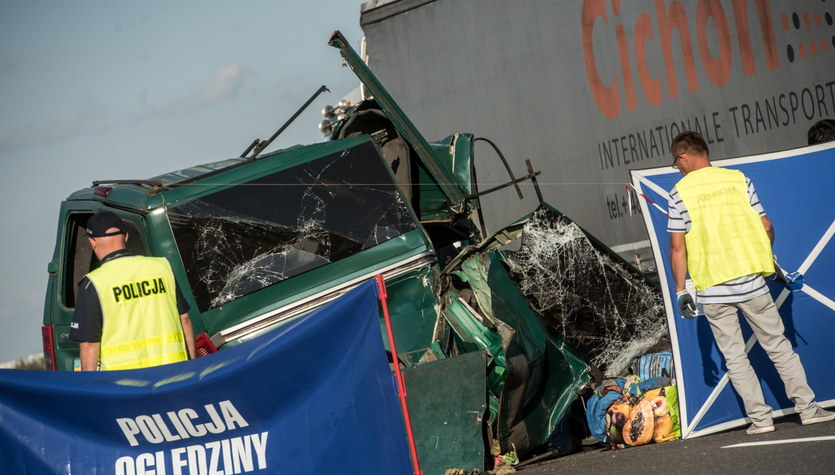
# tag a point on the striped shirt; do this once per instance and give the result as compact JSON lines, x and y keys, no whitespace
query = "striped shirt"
{"x":740,"y":289}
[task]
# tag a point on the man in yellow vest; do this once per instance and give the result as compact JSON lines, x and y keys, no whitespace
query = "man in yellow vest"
{"x":129,"y":312}
{"x":720,"y":235}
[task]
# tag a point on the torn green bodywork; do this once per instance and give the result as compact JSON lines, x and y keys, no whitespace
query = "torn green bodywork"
{"x":534,"y":375}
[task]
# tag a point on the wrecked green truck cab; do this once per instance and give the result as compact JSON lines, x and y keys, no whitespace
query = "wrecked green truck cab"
{"x":257,"y":241}
{"x":254,"y":243}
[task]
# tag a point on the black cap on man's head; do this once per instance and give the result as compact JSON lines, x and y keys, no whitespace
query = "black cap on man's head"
{"x":99,"y":223}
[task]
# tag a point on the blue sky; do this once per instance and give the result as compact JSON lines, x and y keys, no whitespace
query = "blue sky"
{"x":95,"y":89}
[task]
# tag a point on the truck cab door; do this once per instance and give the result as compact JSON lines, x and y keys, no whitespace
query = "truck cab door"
{"x":73,"y":259}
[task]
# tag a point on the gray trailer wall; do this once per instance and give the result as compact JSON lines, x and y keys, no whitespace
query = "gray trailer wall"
{"x":588,"y":90}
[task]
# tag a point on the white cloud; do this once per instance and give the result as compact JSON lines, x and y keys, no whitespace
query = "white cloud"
{"x":224,"y":84}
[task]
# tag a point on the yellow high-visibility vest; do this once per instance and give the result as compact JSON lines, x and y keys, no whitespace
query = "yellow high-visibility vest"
{"x":141,"y":325}
{"x":727,"y":238}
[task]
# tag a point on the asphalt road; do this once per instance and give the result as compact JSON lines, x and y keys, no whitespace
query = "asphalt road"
{"x":791,"y":449}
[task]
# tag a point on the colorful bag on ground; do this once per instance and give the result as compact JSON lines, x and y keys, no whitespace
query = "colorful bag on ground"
{"x":610,"y":391}
{"x":651,"y":416}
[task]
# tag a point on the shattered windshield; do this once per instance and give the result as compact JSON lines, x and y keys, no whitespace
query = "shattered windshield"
{"x":253,"y":235}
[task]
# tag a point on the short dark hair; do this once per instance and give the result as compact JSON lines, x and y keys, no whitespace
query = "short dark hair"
{"x":688,"y":142}
{"x":822,"y":131}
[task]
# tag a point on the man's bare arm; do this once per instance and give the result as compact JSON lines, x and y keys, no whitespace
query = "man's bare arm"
{"x":678,"y":259}
{"x":89,"y":356}
{"x":769,"y":229}
{"x":188,"y":331}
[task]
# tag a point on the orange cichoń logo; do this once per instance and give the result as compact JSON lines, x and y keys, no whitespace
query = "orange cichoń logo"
{"x":670,"y":18}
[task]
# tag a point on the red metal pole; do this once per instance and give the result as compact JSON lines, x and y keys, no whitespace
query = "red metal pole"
{"x":401,"y":385}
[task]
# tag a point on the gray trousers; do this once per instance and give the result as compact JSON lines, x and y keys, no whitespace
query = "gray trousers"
{"x":762,"y":315}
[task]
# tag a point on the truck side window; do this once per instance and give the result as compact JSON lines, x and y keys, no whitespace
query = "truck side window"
{"x":252,"y":235}
{"x":80,"y":258}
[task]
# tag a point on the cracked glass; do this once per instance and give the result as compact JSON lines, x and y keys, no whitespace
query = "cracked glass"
{"x":603,"y":309}
{"x":256,"y":234}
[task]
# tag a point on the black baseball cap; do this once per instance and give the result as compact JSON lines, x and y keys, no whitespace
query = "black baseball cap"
{"x":99,"y":223}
